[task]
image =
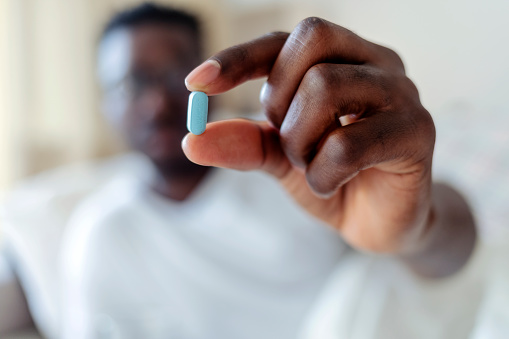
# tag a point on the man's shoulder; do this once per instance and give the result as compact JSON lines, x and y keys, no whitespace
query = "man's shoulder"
{"x":47,"y":200}
{"x":100,"y":228}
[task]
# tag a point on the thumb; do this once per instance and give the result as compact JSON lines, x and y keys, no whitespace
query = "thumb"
{"x":252,"y":145}
{"x":238,"y":144}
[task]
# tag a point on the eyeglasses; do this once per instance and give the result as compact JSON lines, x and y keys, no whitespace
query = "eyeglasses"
{"x":137,"y":84}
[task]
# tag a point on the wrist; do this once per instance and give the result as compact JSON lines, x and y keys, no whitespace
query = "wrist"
{"x":448,"y":237}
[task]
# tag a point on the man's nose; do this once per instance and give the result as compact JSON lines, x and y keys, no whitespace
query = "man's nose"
{"x":163,"y":103}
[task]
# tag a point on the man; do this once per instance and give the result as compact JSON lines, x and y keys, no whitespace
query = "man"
{"x":171,"y":250}
{"x":155,"y":246}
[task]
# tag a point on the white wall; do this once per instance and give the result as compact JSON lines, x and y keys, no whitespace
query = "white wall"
{"x":455,"y":50}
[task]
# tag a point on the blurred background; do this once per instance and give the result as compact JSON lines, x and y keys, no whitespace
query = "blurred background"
{"x":456,"y":52}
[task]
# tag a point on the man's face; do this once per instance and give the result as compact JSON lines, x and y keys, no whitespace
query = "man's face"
{"x":144,"y":85}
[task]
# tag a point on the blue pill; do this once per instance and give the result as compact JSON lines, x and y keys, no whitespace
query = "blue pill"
{"x":197,"y":112}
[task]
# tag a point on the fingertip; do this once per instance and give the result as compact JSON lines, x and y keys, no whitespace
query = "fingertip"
{"x":202,"y":76}
{"x":194,"y":150}
{"x":191,"y":87}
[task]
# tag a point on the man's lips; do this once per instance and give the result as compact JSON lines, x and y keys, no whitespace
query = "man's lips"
{"x":164,"y":136}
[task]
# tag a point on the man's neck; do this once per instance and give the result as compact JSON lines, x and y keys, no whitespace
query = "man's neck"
{"x":179,"y":186}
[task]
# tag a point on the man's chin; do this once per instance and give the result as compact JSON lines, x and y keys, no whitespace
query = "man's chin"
{"x":164,"y":147}
{"x":174,"y":163}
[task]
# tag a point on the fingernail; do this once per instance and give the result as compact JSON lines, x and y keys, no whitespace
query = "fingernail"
{"x":203,"y":75}
{"x":347,"y":119}
{"x":264,"y":92}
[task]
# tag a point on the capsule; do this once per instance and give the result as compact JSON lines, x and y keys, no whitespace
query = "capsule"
{"x":197,"y":111}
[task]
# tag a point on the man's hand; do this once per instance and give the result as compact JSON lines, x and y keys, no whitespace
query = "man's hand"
{"x":346,"y":134}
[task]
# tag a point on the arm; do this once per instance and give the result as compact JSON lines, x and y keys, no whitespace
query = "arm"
{"x":452,"y":235}
{"x":347,"y":136}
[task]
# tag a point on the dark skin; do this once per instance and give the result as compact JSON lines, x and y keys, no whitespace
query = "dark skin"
{"x":347,"y":136}
{"x":154,"y":120}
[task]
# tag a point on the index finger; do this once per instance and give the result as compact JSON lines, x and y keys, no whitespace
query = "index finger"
{"x":235,"y":65}
{"x":285,"y":58}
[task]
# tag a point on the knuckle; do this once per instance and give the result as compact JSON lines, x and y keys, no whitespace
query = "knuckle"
{"x":409,"y":85}
{"x":422,"y":132}
{"x":392,"y":58}
{"x":348,"y":37}
{"x":238,"y":53}
{"x":427,"y":127}
{"x":231,"y":58}
{"x":313,"y":27}
{"x":314,"y":23}
{"x":421,"y":129}
{"x":318,"y":79}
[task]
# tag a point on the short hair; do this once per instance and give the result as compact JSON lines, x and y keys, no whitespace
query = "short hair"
{"x":148,"y":13}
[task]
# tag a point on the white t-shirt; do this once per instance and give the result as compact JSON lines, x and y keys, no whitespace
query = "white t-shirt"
{"x":376,"y":297}
{"x":33,"y":218}
{"x":238,"y":259}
